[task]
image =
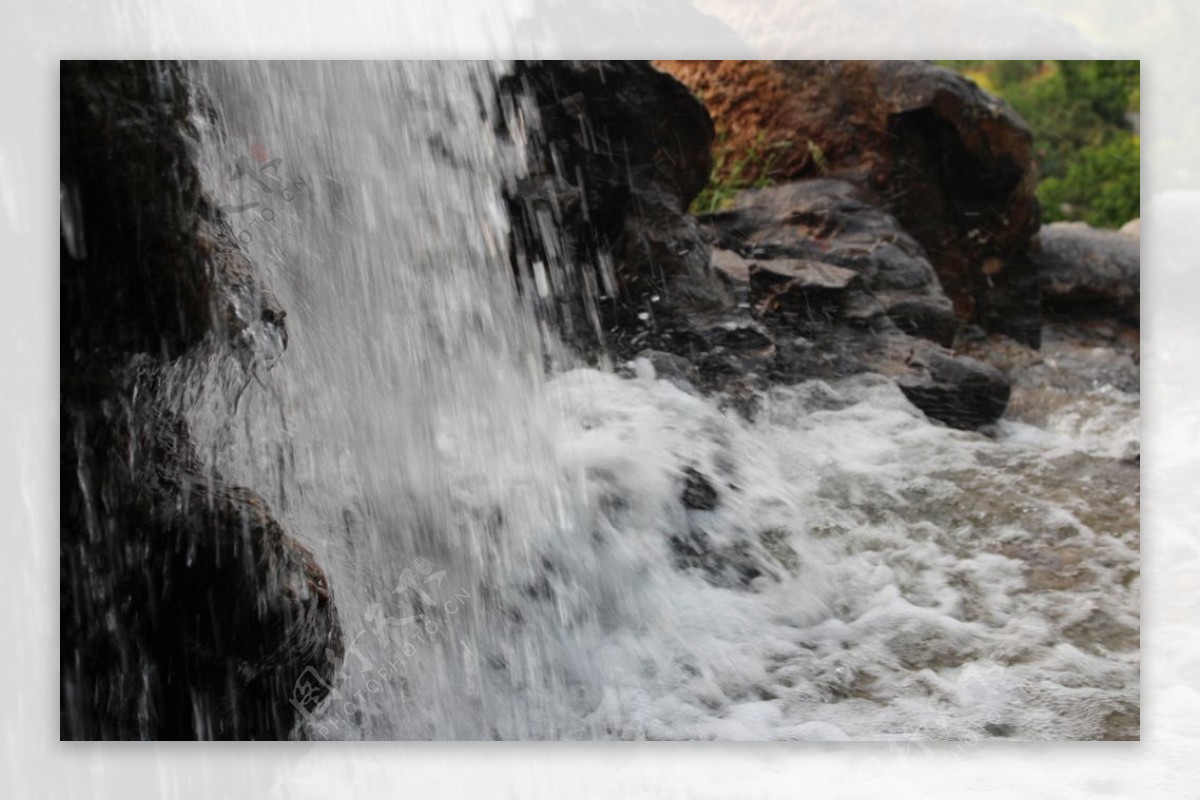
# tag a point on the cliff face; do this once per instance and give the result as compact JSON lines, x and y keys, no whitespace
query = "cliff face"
{"x":950,"y":162}
{"x":186,"y":611}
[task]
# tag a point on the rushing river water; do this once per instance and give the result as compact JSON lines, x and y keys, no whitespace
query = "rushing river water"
{"x":523,"y":555}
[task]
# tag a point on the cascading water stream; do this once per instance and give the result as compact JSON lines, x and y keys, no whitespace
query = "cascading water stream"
{"x":582,"y":555}
{"x":409,"y":406}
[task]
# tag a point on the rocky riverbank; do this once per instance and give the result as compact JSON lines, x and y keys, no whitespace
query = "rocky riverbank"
{"x":898,"y":232}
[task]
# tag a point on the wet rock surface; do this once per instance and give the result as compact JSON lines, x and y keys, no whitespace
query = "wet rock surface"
{"x":834,"y":223}
{"x":960,"y":391}
{"x":698,"y":491}
{"x":619,"y":151}
{"x":843,"y":289}
{"x":186,"y":611}
{"x":907,"y":213}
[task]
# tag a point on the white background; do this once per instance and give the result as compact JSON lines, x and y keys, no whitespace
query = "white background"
{"x":35,"y":34}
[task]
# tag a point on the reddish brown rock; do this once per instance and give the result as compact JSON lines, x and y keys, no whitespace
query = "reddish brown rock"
{"x":950,"y":161}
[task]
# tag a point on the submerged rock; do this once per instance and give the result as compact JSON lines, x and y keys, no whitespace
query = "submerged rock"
{"x":729,"y":566}
{"x":186,"y":611}
{"x":698,"y":491}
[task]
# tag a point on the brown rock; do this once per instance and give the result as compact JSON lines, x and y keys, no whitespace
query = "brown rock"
{"x":806,"y":288}
{"x":951,"y":162}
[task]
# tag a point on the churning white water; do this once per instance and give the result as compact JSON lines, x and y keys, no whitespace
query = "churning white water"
{"x":510,"y":551}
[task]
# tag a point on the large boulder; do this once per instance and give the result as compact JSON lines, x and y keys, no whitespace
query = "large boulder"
{"x":840,"y":289}
{"x":834,"y":223}
{"x":617,"y":150}
{"x":957,"y":390}
{"x":186,"y":610}
{"x":1089,"y":272}
{"x":951,"y":162}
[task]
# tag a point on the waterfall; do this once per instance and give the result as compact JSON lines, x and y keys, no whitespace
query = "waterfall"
{"x":524,"y":554}
{"x":403,"y":434}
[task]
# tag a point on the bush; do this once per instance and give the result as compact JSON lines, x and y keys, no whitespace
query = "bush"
{"x":1100,"y":186}
{"x":1086,"y":151}
{"x":750,"y":170}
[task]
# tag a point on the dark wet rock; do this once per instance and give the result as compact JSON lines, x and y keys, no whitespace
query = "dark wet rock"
{"x":741,"y":334}
{"x":803,"y":290}
{"x":950,"y":161}
{"x":732,"y":372}
{"x":962,"y":183}
{"x":127,"y":177}
{"x":836,"y":355}
{"x":186,"y":611}
{"x":841,"y":289}
{"x":1089,"y":272}
{"x":124,"y":146}
{"x":811,"y":279}
{"x":728,"y":566}
{"x":797,"y":289}
{"x":828,"y":221}
{"x":618,"y":152}
{"x":956,"y":390}
{"x":926,"y":319}
{"x":670,"y":366}
{"x":698,"y":491}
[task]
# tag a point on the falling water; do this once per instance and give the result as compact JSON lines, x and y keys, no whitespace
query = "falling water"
{"x":402,"y":432}
{"x":516,"y":555}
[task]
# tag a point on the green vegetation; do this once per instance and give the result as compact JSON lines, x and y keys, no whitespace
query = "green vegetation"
{"x":1086,"y":150}
{"x":750,"y":171}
